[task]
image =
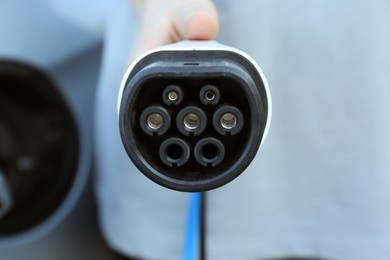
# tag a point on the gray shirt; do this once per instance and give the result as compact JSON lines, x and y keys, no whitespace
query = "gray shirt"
{"x":320,"y":185}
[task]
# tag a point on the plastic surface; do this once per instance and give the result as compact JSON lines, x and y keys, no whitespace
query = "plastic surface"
{"x":224,"y":107}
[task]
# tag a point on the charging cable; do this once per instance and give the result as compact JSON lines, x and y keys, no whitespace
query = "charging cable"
{"x":194,"y":248}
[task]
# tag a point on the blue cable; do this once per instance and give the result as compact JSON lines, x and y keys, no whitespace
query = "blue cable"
{"x":191,"y":247}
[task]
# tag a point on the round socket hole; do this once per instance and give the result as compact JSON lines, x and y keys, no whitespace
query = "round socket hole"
{"x":209,"y":152}
{"x":172,"y":95}
{"x":174,"y":152}
{"x":228,"y":121}
{"x":209,"y":95}
{"x":155,"y":121}
{"x":191,"y":121}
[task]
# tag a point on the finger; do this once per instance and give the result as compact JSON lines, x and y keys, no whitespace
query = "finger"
{"x":151,"y":37}
{"x":196,"y":20}
{"x":189,"y":19}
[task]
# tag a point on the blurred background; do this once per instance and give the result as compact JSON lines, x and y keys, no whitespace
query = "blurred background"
{"x":50,"y":58}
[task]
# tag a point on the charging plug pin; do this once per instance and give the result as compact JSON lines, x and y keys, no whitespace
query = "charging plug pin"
{"x":172,"y":95}
{"x":191,"y":121}
{"x":209,"y":95}
{"x":228,"y":121}
{"x":155,"y":121}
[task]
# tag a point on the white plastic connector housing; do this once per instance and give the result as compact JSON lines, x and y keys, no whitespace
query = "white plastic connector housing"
{"x":191,"y":66}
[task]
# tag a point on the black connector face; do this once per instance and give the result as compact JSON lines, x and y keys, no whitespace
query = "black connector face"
{"x":193,"y":120}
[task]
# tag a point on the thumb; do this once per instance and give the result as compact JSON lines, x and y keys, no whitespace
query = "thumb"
{"x":164,"y":22}
{"x":196,"y":20}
